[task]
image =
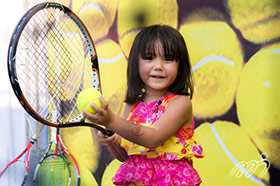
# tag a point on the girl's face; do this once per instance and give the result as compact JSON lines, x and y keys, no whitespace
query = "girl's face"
{"x":157,"y":72}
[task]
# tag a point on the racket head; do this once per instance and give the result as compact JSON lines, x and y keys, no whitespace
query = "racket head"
{"x":53,"y":169}
{"x":14,"y":174}
{"x":51,"y":58}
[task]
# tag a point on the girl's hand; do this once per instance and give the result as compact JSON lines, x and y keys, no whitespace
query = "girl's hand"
{"x":104,"y":116}
{"x":111,"y":143}
{"x":106,"y":140}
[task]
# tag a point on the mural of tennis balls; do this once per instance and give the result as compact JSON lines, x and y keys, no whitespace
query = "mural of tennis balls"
{"x":83,"y":145}
{"x":258,"y":101}
{"x":110,"y":172}
{"x":217,"y":61}
{"x":134,"y":15}
{"x":97,"y":15}
{"x":87,"y":178}
{"x":112,"y":65}
{"x":230,"y":158}
{"x":258,"y":21}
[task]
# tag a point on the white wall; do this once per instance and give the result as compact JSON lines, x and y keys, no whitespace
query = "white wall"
{"x":12,"y":122}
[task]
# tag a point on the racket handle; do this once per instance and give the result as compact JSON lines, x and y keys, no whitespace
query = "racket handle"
{"x":117,"y":150}
{"x":109,"y":132}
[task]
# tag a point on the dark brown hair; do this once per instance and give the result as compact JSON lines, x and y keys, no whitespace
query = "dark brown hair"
{"x":174,"y":47}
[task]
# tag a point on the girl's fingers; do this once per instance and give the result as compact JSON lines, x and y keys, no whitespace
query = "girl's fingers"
{"x":105,"y":140}
{"x":104,"y":103}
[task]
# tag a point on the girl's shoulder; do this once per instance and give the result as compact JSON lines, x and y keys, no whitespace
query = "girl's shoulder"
{"x":178,"y":99}
{"x":180,"y":103}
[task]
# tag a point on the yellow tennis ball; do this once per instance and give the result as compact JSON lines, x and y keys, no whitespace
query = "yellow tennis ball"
{"x":217,"y":61}
{"x":87,"y":178}
{"x":85,"y":148}
{"x":113,"y":67}
{"x":97,"y":15}
{"x":230,"y":157}
{"x":258,"y":21}
{"x":86,"y":97}
{"x":134,"y":15}
{"x":258,"y":101}
{"x":110,"y":172}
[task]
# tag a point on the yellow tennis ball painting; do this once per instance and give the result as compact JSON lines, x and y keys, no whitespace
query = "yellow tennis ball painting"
{"x":112,"y":65}
{"x":86,"y":97}
{"x":230,"y":158}
{"x":258,"y":21}
{"x":217,"y":60}
{"x":258,"y":101}
{"x":97,"y":15}
{"x":82,"y":143}
{"x":110,"y":172}
{"x":134,"y":15}
{"x":87,"y":178}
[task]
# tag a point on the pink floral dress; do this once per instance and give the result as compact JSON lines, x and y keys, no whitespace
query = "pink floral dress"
{"x":170,"y":163}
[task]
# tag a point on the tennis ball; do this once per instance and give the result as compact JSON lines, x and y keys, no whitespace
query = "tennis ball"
{"x":97,"y":15}
{"x":229,"y":156}
{"x":258,"y":101}
{"x":86,"y":97}
{"x":85,"y":148}
{"x":217,"y":60}
{"x":113,"y":67}
{"x":110,"y":172}
{"x":258,"y":21}
{"x":134,"y":15}
{"x":87,"y":178}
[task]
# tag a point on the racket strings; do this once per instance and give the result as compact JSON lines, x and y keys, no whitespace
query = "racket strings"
{"x":53,"y":170}
{"x":53,"y":64}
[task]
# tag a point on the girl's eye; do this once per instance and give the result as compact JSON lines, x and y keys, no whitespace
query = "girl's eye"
{"x":168,"y":58}
{"x":147,"y":57}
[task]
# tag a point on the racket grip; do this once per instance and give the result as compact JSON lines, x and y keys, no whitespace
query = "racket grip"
{"x":109,"y":132}
{"x":118,"y":152}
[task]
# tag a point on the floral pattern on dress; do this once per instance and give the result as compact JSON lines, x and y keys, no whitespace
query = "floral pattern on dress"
{"x":159,"y":166}
{"x":181,"y":145}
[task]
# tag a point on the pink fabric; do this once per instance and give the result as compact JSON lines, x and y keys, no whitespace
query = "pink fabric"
{"x":156,"y":172}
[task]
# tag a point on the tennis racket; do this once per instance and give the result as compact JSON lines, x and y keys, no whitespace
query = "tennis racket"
{"x":51,"y":59}
{"x":16,"y":172}
{"x":53,"y":168}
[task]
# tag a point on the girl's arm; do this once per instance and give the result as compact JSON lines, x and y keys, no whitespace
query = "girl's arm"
{"x":177,"y":113}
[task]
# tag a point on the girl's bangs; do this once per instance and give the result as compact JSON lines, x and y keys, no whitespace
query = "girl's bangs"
{"x":149,"y":48}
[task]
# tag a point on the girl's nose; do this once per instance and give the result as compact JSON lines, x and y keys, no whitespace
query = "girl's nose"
{"x":158,"y":65}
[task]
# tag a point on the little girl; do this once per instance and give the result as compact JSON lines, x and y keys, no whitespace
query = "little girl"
{"x":157,"y":127}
